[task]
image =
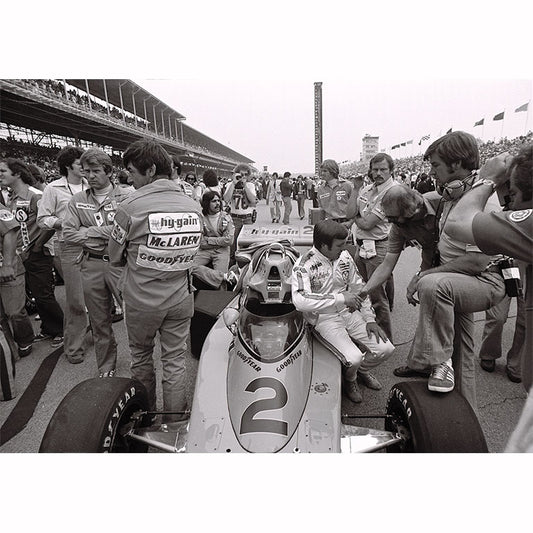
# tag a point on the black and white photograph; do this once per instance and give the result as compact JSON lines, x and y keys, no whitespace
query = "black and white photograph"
{"x":274,"y":232}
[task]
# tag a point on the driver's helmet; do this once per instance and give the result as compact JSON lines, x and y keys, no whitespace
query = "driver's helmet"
{"x":270,"y":273}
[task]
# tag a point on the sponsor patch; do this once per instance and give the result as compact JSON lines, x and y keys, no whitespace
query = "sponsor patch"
{"x":110,"y":207}
{"x":99,"y":219}
{"x":6,"y":216}
{"x":118,"y":233}
{"x":519,"y":216}
{"x":174,"y":240}
{"x":165,"y":260}
{"x":111,"y":216}
{"x":21,"y":215}
{"x":81,"y":205}
{"x":173,"y":222}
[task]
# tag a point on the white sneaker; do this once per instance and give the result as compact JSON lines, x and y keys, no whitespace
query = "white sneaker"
{"x":441,"y":379}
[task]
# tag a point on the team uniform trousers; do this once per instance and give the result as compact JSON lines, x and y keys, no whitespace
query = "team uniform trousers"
{"x":13,"y":310}
{"x":40,"y":281}
{"x":346,"y":334}
{"x":379,"y":297}
{"x":101,"y":283}
{"x":75,"y":323}
{"x":491,"y":343}
{"x":173,"y":325}
{"x":447,"y":303}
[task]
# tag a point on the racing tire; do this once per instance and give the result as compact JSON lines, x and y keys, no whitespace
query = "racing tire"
{"x":430,"y":422}
{"x":94,"y":417}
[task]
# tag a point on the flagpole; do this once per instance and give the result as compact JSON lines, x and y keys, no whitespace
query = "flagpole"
{"x":503,"y":121}
{"x":483,"y":131}
{"x":527,"y":117}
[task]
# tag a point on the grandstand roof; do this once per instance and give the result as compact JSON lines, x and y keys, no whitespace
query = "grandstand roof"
{"x":28,"y":107}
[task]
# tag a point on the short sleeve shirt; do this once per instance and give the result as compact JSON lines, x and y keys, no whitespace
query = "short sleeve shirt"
{"x":334,"y":200}
{"x":7,"y":224}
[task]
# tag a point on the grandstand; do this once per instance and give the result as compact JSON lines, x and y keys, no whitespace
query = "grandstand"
{"x":44,"y":115}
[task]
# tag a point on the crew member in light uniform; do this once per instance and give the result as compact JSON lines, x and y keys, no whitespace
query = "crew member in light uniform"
{"x":12,"y":286}
{"x":325,"y":283}
{"x":333,"y":196}
{"x":52,"y":210}
{"x":30,"y":247}
{"x":371,"y":232}
{"x":158,"y":230}
{"x":88,"y":223}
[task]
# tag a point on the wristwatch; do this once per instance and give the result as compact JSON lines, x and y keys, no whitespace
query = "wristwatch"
{"x":485,"y":182}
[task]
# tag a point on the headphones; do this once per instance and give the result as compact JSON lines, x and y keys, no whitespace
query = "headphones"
{"x":453,"y":190}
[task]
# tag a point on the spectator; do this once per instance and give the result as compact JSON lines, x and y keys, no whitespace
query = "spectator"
{"x":300,"y":192}
{"x":51,"y":213}
{"x":286,"y":193}
{"x":157,"y":292}
{"x":274,"y":197}
{"x":424,"y":184}
{"x":185,"y":187}
{"x":88,"y":223}
{"x":240,"y":195}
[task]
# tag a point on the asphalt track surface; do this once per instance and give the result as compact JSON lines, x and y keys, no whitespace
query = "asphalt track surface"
{"x":45,"y":377}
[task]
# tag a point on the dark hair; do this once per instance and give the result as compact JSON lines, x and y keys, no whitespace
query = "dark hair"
{"x":18,"y":166}
{"x":210,"y":178}
{"x":66,"y":157}
{"x":177,"y":163}
{"x":287,"y":175}
{"x":37,"y":173}
{"x":144,"y":153}
{"x":206,"y":198}
{"x":123,"y":177}
{"x":378,"y":158}
{"x":275,"y":174}
{"x":522,"y":165}
{"x":94,"y":156}
{"x":456,"y":147}
{"x":189,"y":174}
{"x":242,"y":167}
{"x":326,"y":231}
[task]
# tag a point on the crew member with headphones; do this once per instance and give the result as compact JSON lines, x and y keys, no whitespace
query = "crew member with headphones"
{"x":464,"y":280}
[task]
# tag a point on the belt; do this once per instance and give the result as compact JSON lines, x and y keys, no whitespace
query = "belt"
{"x":360,"y":241}
{"x":103,"y":257}
{"x":341,"y":219}
{"x":241,"y":216}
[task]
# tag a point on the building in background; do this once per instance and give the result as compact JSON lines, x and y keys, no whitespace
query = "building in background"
{"x":370,"y":148}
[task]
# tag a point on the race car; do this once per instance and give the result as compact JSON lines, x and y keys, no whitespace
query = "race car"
{"x":265,"y":383}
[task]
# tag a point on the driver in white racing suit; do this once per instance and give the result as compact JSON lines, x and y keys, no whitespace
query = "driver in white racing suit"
{"x":325,"y":282}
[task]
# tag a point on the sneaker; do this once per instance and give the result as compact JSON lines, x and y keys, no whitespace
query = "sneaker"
{"x":25,"y":350}
{"x":352,"y":391}
{"x":108,"y":374}
{"x":232,"y":278}
{"x":42,"y":337}
{"x":370,"y":381}
{"x":441,"y":379}
{"x":57,"y":341}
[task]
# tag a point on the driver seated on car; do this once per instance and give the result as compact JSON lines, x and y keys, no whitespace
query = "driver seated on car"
{"x":325,"y":282}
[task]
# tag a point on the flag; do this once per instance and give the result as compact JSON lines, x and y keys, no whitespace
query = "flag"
{"x":424,"y":138}
{"x":409,"y":142}
{"x":403,"y":144}
{"x":521,"y":108}
{"x":499,"y":116}
{"x":479,"y":122}
{"x":449,"y":131}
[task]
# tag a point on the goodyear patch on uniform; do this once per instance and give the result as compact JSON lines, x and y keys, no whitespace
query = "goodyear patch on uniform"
{"x":118,"y":233}
{"x":6,"y":216}
{"x":173,"y":240}
{"x":23,"y":203}
{"x":81,"y":205}
{"x":519,"y":216}
{"x":173,"y":222}
{"x":165,"y":260}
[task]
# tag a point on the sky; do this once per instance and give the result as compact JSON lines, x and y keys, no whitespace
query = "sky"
{"x":273,"y":123}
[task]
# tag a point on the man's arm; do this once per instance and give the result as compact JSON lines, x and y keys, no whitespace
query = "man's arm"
{"x":46,"y":217}
{"x":367,"y":222}
{"x":381,"y":274}
{"x":9,"y":253}
{"x":459,"y":223}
